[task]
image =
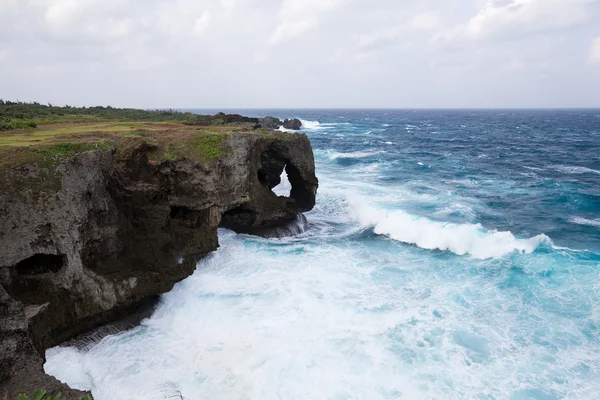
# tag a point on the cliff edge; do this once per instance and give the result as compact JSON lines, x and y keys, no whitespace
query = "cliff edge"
{"x":95,"y":223}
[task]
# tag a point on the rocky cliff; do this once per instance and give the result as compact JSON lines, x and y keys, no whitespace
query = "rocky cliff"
{"x":95,"y":233}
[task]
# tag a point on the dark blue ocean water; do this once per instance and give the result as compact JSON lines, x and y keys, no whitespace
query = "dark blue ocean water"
{"x":451,"y":255}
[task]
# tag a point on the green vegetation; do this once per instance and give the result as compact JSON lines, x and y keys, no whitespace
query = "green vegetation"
{"x":42,"y":136}
{"x":20,"y":115}
{"x":40,"y":394}
{"x":211,"y":146}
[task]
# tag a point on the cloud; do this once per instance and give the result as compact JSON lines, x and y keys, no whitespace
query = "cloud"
{"x":62,"y":11}
{"x":520,"y":65}
{"x":381,"y":35}
{"x":296,"y":17}
{"x":201,"y":23}
{"x":595,"y":51}
{"x":425,"y":21}
{"x":289,"y":29}
{"x":504,"y":19}
{"x":335,"y":53}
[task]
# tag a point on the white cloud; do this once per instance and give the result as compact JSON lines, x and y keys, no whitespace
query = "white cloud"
{"x":381,"y":35}
{"x":335,"y":53}
{"x":516,"y":18}
{"x":62,"y":11}
{"x":289,"y":29}
{"x":425,"y":21}
{"x":299,"y":16}
{"x":520,"y":65}
{"x":201,"y":23}
{"x":595,"y":51}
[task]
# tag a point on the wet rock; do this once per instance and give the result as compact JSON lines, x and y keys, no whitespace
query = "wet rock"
{"x":117,"y":229}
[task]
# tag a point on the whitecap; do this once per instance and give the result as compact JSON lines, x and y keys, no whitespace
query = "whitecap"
{"x":311,"y":124}
{"x":354,"y":154}
{"x":316,"y":125}
{"x":568,"y":169}
{"x":585,"y":221}
{"x":461,"y":239}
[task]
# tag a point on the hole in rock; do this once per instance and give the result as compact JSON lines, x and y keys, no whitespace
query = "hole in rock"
{"x":285,"y":187}
{"x":272,"y":173}
{"x":40,"y":264}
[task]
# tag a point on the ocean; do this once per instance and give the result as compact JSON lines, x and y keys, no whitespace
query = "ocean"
{"x":451,"y":255}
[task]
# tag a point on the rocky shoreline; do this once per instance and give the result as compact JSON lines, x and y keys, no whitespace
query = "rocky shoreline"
{"x":97,"y":236}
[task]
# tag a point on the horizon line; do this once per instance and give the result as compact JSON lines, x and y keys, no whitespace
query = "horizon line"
{"x":384,"y":108}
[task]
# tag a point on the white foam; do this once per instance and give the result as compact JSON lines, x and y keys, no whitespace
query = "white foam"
{"x":310,"y":124}
{"x":316,"y":125}
{"x":568,"y":169}
{"x":461,"y":239}
{"x":250,"y":325}
{"x":585,"y":221}
{"x":354,"y":154}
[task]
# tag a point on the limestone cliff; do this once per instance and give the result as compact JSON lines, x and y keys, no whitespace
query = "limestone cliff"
{"x":98,"y":234}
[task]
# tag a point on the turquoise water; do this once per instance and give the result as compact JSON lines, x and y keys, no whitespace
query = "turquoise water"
{"x":451,"y":255}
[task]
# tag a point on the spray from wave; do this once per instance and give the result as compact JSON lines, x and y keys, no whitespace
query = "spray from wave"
{"x":316,"y":125}
{"x":461,"y":239}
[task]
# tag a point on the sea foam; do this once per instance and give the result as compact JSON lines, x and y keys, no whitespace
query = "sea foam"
{"x":461,"y":239}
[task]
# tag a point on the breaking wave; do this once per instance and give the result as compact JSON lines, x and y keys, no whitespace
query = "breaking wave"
{"x":316,"y":125}
{"x":585,"y":221}
{"x":460,"y":239}
{"x":354,"y":154}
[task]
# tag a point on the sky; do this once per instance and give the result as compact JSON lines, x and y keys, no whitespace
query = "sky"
{"x":302,"y":53}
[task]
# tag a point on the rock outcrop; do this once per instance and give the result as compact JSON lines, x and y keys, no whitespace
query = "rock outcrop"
{"x":102,"y":234}
{"x":293,"y":124}
{"x":272,"y":123}
{"x":275,"y":123}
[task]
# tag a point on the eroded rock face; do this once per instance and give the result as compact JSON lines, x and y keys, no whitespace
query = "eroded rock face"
{"x":275,"y":123}
{"x":293,"y":124}
{"x":120,"y":230}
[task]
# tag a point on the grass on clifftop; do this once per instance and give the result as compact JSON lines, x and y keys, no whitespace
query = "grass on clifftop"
{"x":20,"y":115}
{"x":171,"y":134}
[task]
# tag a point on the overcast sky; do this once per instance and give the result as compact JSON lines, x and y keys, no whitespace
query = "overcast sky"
{"x":302,"y":53}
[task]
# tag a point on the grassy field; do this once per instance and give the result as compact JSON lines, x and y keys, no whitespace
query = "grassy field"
{"x":44,"y":133}
{"x":49,"y":144}
{"x":19,"y":115}
{"x":47,"y":134}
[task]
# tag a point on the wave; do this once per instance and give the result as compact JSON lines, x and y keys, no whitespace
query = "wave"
{"x":354,"y":154}
{"x":460,"y":239}
{"x":316,"y":125}
{"x":568,"y":169}
{"x":585,"y":221}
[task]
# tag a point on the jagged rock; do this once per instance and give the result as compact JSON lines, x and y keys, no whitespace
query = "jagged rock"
{"x":293,"y":124}
{"x":270,"y":123}
{"x":117,"y":228}
{"x":222,"y":119}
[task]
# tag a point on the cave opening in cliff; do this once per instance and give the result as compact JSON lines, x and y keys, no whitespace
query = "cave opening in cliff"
{"x":274,"y":173}
{"x":40,"y":264}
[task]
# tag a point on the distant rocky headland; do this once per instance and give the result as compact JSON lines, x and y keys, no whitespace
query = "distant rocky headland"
{"x":104,"y":209}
